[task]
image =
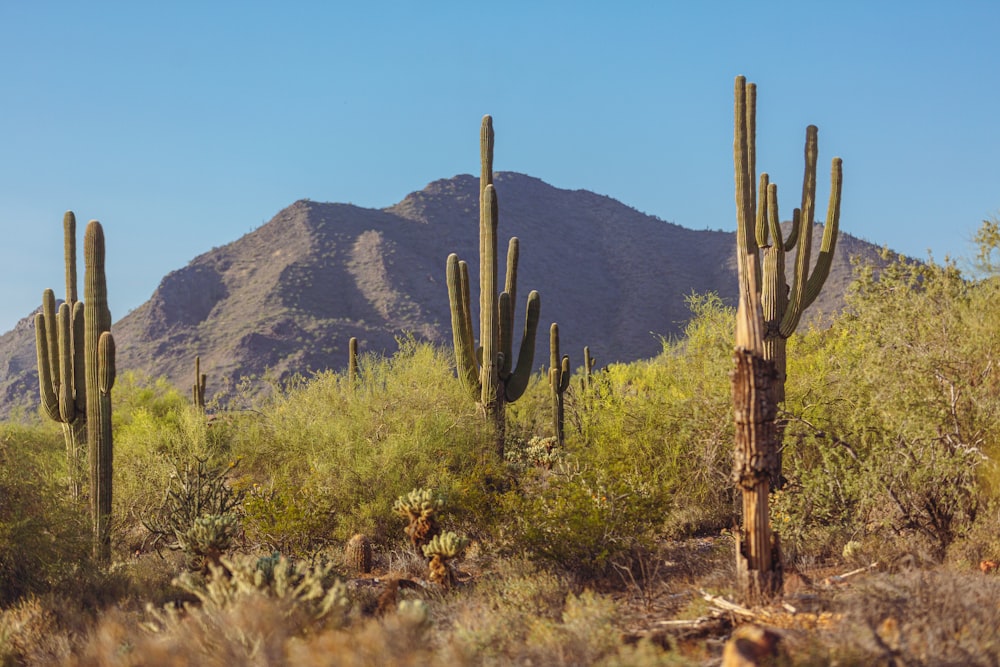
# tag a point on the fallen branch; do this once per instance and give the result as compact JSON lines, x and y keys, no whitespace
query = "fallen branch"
{"x":841,"y":578}
{"x":725,"y":605}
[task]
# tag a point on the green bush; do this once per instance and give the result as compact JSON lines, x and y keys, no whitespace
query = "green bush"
{"x":894,"y":414}
{"x":669,"y":421}
{"x":44,"y":536}
{"x":354,"y":451}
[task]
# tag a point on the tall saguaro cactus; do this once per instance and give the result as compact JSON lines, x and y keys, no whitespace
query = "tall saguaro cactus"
{"x":760,"y":242}
{"x":99,"y":356}
{"x":489,"y":373}
{"x":59,"y":344}
{"x":559,"y":373}
{"x":769,"y":312}
{"x":76,"y":371}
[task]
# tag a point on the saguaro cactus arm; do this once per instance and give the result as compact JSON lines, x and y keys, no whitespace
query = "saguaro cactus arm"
{"x":47,"y":394}
{"x":461,"y":325}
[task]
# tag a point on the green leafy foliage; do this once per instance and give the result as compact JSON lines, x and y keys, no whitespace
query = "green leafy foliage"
{"x":894,"y":413}
{"x":43,"y":535}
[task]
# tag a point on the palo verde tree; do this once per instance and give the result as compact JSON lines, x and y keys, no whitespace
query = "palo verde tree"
{"x":760,"y":240}
{"x":489,"y":372}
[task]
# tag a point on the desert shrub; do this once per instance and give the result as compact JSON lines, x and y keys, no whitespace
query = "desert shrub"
{"x":155,"y":429}
{"x":527,"y":615}
{"x":355,"y":450}
{"x":936,"y":617}
{"x":43,"y":534}
{"x":581,"y":518}
{"x":245,"y":613}
{"x":671,"y":417}
{"x":893,"y":413}
{"x":199,"y":514}
{"x":497,"y":616}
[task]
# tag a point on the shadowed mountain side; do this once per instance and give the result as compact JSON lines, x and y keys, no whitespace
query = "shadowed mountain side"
{"x":288,"y":296}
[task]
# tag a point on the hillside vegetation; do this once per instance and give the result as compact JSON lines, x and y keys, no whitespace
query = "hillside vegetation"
{"x":563,"y":555}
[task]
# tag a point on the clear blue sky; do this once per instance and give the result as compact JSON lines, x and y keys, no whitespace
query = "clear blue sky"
{"x":183,"y":125}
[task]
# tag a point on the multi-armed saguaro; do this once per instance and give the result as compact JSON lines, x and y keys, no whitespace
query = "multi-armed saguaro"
{"x":760,"y":240}
{"x":768,"y":314}
{"x":59,"y":344}
{"x":76,"y":370}
{"x":559,"y":373}
{"x":489,"y":373}
{"x":759,"y":230}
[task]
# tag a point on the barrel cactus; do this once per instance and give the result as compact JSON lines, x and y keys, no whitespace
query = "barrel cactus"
{"x":358,"y":554}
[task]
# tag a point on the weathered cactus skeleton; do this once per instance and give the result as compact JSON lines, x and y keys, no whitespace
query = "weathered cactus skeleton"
{"x":489,"y":372}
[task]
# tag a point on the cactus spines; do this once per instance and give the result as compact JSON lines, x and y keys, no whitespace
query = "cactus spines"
{"x":99,"y":355}
{"x":358,"y":554}
{"x":440,"y":550}
{"x":490,"y":373}
{"x":760,"y":239}
{"x":419,"y":507}
{"x":200,"y":383}
{"x":559,"y":372}
{"x":352,"y":362}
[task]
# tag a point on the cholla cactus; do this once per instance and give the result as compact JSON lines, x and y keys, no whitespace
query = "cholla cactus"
{"x":440,"y":550}
{"x":358,"y":554}
{"x":198,"y":515}
{"x":207,"y":539}
{"x":536,"y":453}
{"x":419,"y":506}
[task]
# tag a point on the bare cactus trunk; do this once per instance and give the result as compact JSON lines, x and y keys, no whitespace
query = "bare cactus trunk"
{"x":758,"y":553}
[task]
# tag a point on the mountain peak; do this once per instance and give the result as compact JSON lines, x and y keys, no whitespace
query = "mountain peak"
{"x":288,"y":296}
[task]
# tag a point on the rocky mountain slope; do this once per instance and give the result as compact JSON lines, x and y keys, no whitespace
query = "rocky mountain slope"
{"x":288,"y":296}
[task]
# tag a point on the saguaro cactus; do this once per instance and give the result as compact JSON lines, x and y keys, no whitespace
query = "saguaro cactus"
{"x":768,"y":314}
{"x":489,"y":373}
{"x":559,"y":372}
{"x":758,"y":550}
{"x":200,"y":383}
{"x":760,"y":241}
{"x":99,"y":355}
{"x":59,"y":344}
{"x":352,"y":362}
{"x":588,"y":368}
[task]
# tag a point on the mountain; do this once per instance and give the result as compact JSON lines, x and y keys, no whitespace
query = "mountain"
{"x":288,"y":296}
